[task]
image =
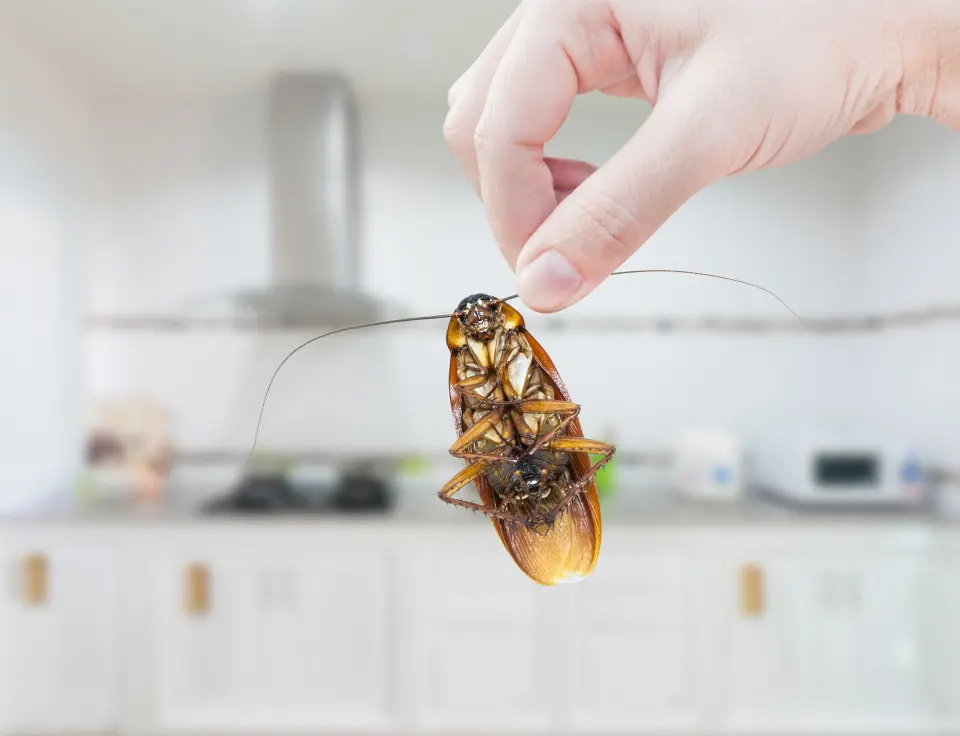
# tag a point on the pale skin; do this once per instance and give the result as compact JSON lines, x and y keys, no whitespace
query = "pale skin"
{"x":736,"y":85}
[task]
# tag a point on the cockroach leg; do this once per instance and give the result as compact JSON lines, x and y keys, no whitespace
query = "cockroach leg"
{"x":468,"y":386}
{"x":461,"y":479}
{"x":566,"y":409}
{"x":484,"y":456}
{"x":580,"y":444}
{"x":545,"y":406}
{"x":483,"y":425}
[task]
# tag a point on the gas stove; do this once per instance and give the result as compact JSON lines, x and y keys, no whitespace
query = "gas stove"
{"x":277,"y":494}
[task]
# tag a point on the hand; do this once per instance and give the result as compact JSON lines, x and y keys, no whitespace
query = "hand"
{"x":736,"y":85}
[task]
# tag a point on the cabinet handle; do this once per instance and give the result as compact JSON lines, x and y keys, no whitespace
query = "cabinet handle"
{"x":198,"y":589}
{"x":751,"y":591}
{"x":35,"y":579}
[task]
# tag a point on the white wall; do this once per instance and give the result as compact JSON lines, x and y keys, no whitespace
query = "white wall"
{"x":185,"y":214}
{"x":912,"y":261}
{"x":44,"y":167}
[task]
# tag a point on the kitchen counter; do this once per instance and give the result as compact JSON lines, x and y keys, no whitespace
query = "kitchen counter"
{"x":638,"y":507}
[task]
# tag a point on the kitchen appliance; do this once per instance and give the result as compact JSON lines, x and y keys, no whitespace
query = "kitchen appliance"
{"x":359,"y":491}
{"x":276,"y":492}
{"x":818,"y":465}
{"x":708,"y":465}
{"x":314,"y":166}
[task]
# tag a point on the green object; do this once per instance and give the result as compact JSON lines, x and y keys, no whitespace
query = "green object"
{"x":606,"y":476}
{"x":414,"y":465}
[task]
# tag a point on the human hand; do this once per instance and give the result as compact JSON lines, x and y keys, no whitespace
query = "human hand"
{"x":736,"y":85}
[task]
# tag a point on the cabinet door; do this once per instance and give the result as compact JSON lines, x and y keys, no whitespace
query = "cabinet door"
{"x":288,"y":639}
{"x":322,"y":648}
{"x":59,"y":633}
{"x":487,"y":642}
{"x":635,"y":642}
{"x":943,"y":639}
{"x":203,"y":603}
{"x":765,"y":609}
{"x":889,"y":598}
{"x":835,"y":641}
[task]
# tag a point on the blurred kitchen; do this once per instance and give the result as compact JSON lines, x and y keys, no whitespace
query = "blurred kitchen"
{"x":189,"y":190}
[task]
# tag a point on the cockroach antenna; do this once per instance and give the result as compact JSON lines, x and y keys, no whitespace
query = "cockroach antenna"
{"x":448,"y":316}
{"x":696,"y":273}
{"x":289,"y":355}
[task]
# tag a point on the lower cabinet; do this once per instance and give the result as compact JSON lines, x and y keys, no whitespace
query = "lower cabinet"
{"x":942,"y":624}
{"x":274,"y":633}
{"x":625,"y":651}
{"x":485,"y":647}
{"x":337,"y":628}
{"x":636,"y":648}
{"x":58,"y":641}
{"x":828,"y":635}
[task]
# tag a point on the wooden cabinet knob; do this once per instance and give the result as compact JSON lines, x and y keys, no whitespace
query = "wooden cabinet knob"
{"x":34,"y":585}
{"x":197,"y":602}
{"x":751,"y":591}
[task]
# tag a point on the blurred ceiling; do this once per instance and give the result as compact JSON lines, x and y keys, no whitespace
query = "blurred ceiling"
{"x":179,"y":48}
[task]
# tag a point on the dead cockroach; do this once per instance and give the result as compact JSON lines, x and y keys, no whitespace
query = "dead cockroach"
{"x":519,"y":432}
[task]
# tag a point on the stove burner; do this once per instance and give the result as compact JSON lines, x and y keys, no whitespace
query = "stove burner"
{"x":276,"y":494}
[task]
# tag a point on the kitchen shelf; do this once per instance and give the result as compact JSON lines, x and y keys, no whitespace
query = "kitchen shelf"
{"x":561,"y":323}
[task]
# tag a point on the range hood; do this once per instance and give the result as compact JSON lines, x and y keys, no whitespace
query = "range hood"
{"x":314,"y":170}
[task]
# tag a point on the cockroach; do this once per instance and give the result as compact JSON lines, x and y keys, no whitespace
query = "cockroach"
{"x":518,"y":430}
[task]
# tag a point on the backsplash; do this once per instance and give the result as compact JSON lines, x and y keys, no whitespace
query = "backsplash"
{"x":187,"y":223}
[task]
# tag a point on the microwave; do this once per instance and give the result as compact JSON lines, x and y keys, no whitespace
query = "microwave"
{"x":837,"y":467}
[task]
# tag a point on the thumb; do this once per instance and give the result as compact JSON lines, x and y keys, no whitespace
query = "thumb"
{"x":605,"y":220}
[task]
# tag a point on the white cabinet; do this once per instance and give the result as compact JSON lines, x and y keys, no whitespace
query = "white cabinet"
{"x":485,"y":642}
{"x":636,"y":646}
{"x":270,"y":633}
{"x":58,"y":666}
{"x":828,"y":634}
{"x":333,"y":628}
{"x":942,"y":623}
{"x":620,"y":651}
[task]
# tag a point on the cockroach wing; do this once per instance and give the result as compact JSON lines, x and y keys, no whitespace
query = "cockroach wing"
{"x":569,"y":551}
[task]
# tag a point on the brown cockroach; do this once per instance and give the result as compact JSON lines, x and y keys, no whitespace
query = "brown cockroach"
{"x":519,"y":432}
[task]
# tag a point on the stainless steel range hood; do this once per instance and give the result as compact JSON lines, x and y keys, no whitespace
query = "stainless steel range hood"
{"x":314,"y":160}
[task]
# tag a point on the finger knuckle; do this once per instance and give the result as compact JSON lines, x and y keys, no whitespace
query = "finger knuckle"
{"x":487,"y":136}
{"x":612,"y":226}
{"x":458,"y":129}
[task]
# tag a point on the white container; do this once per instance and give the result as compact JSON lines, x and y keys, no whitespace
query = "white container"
{"x":708,"y":465}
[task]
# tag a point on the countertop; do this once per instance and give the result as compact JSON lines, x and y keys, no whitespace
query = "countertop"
{"x":633,"y":507}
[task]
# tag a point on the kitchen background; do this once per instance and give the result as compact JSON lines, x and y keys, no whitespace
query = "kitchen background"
{"x":135,"y":206}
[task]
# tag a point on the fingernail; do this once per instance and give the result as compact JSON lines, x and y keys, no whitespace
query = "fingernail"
{"x":548,"y":282}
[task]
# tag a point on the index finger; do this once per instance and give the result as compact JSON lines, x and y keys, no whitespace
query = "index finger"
{"x":530,"y":96}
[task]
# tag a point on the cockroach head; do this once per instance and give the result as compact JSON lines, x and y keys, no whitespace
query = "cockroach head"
{"x":479,"y":315}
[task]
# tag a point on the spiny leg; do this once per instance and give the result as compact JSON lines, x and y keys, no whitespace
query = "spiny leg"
{"x":468,"y":386}
{"x":477,"y":431}
{"x":566,"y":409}
{"x":502,"y":456}
{"x":461,"y":479}
{"x":580,"y":444}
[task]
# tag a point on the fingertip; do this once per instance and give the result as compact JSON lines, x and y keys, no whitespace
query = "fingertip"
{"x":549,"y":282}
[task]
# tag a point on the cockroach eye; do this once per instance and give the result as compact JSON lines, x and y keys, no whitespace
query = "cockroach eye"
{"x":472,"y":301}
